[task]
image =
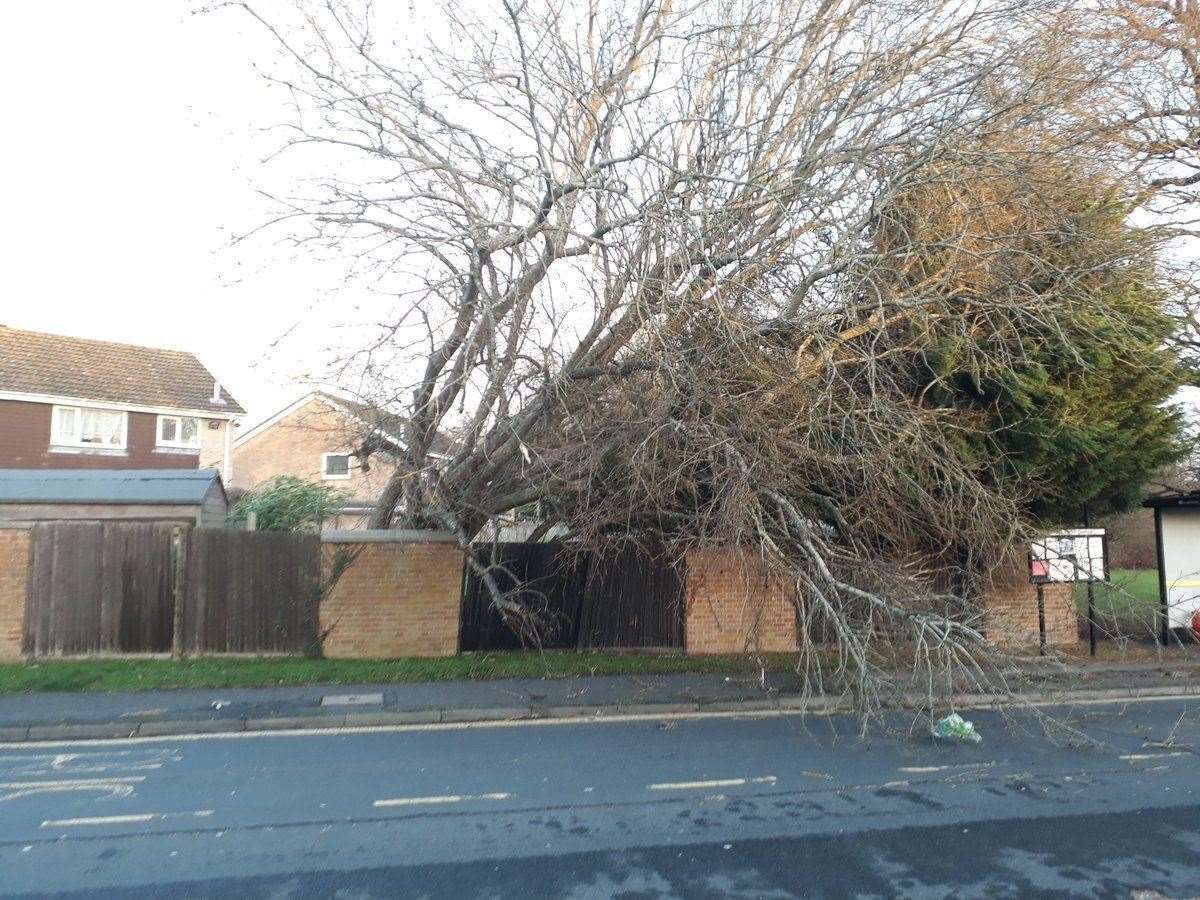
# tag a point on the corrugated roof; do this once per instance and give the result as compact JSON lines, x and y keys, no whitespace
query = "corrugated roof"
{"x":118,"y":486}
{"x":35,"y":363}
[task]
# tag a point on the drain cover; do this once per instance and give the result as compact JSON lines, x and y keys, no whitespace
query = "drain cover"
{"x":351,"y":699}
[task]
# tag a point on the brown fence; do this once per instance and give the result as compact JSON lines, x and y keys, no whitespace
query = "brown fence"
{"x":251,"y":591}
{"x":627,"y":597}
{"x":99,"y":588}
{"x":120,"y":587}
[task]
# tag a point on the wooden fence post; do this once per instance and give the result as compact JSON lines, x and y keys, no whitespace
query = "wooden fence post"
{"x":179,"y":546}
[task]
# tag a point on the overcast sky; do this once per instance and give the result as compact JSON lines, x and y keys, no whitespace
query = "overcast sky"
{"x":131,"y":157}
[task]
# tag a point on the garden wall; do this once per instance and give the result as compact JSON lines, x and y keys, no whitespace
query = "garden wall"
{"x":733,"y":605}
{"x":1010,"y":610}
{"x":399,"y":594}
{"x":14,"y":565}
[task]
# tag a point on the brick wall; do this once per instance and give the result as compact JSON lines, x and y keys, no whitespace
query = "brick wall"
{"x":399,"y":597}
{"x":734,"y":605}
{"x":1010,"y":611}
{"x":14,"y":561}
{"x":294,"y":444}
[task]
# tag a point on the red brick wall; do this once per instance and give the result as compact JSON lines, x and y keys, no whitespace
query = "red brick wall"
{"x":25,"y":443}
{"x":397,"y":598}
{"x":14,"y":562}
{"x":734,"y":605}
{"x":1010,"y":611}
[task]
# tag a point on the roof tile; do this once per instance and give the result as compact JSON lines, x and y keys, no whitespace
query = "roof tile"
{"x":32,"y":362}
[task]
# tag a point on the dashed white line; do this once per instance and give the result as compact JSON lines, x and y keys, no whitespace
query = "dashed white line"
{"x":714,"y":783}
{"x":444,"y":798}
{"x":132,"y":818}
{"x":1134,"y":757}
{"x":925,"y":770}
{"x":99,"y":820}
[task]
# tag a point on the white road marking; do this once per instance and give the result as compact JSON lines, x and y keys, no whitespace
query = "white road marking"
{"x":98,"y":820}
{"x":535,"y":723}
{"x":86,"y":763}
{"x":116,"y":787}
{"x":445,"y":798}
{"x":714,"y":783}
{"x":124,"y":820}
{"x":1134,"y":757}
{"x":924,"y":770}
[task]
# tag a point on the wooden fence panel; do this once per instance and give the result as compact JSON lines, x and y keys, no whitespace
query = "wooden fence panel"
{"x":620,"y":598}
{"x":633,"y":598}
{"x":99,"y":587}
{"x":251,"y":592}
{"x":111,"y":587}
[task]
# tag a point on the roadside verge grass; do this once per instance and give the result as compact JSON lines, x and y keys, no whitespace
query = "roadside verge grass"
{"x":1127,"y":604}
{"x":216,"y":672}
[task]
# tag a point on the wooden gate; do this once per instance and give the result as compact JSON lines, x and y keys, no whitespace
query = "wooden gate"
{"x":585,"y":600}
{"x":125,"y":587}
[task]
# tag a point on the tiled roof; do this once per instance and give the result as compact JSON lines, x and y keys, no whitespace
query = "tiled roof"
{"x":35,"y":363}
{"x":388,"y":423}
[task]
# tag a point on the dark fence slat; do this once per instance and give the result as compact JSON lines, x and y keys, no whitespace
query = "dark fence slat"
{"x":628,"y":597}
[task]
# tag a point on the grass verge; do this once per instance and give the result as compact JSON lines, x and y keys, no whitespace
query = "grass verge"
{"x":1128,"y":602}
{"x":160,"y":674}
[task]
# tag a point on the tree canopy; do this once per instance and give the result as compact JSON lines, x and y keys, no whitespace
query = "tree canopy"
{"x":1066,"y":411}
{"x":288,"y":503}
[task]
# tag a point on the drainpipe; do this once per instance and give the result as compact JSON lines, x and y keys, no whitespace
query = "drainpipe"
{"x":227,"y":459}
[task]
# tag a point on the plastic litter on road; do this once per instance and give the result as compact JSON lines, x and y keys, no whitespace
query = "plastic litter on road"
{"x":955,"y":728}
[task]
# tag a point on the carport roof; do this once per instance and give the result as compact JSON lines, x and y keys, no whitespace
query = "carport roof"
{"x":1172,"y":499}
{"x":118,"y":486}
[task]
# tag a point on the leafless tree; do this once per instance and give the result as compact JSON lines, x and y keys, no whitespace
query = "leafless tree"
{"x":649,"y":274}
{"x":1150,"y":104}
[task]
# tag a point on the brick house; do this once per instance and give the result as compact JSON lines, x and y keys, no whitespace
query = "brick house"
{"x":322,"y":437}
{"x":74,"y":403}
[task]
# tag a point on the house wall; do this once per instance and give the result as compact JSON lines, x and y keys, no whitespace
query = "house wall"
{"x":734,"y":605}
{"x":14,"y":564}
{"x":294,"y":444}
{"x":212,"y":444}
{"x":25,"y":443}
{"x":400,"y":595}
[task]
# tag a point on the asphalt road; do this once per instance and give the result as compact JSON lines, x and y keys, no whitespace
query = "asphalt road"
{"x":714,"y":807}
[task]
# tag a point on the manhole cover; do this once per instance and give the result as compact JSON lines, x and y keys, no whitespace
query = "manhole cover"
{"x":351,"y":699}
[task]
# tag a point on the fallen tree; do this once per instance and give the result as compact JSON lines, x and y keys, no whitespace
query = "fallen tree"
{"x":656,"y":278}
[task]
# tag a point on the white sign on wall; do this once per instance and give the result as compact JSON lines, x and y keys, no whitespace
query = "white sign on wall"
{"x":1076,"y":554}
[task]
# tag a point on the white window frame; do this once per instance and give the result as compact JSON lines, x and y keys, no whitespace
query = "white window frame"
{"x":177,"y":444}
{"x":349,"y":467}
{"x":57,"y":441}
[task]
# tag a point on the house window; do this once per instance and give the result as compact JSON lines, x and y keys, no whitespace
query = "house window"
{"x":179,"y":431}
{"x":335,"y":465}
{"x":80,"y":426}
